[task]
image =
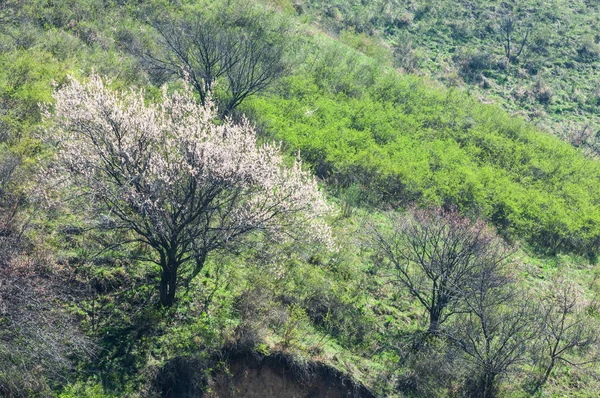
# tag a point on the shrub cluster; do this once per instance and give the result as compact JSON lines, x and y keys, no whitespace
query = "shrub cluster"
{"x":406,"y":140}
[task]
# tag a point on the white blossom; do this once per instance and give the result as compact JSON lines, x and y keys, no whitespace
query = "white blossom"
{"x":183,"y":182}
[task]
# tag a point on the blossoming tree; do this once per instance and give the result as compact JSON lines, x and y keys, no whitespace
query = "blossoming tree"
{"x":182,"y":183}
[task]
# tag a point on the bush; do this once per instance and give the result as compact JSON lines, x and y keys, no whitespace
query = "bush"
{"x":402,"y":140}
{"x":406,"y":56}
{"x":542,"y":92}
{"x":588,"y":50}
{"x":472,"y":64}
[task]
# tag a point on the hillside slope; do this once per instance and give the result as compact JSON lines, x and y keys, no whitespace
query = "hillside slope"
{"x":550,"y":76}
{"x":401,"y":139}
{"x":86,"y":319}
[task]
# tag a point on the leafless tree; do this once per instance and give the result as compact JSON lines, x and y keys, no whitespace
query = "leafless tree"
{"x":496,"y":332}
{"x":509,"y":26}
{"x":434,"y":253}
{"x":38,"y":339}
{"x":238,"y":47}
{"x":12,"y":201}
{"x":565,"y":330}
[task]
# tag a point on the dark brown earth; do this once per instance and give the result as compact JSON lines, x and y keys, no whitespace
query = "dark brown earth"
{"x":273,"y":377}
{"x":253,"y":376}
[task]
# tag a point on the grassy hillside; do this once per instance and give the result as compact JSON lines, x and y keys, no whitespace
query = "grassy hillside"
{"x":399,"y":139}
{"x":377,"y":138}
{"x":553,"y":81}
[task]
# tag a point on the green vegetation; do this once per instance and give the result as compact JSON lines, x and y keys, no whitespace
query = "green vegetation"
{"x":553,"y":82}
{"x":80,"y":311}
{"x":401,"y":139}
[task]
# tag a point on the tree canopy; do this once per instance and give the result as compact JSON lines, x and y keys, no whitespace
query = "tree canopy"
{"x":183,"y":183}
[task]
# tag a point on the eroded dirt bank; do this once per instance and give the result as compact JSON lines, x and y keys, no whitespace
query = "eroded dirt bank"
{"x":275,"y":377}
{"x":247,"y":375}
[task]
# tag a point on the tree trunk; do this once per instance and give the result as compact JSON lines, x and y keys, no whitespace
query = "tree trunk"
{"x":545,"y":377}
{"x":168,"y":282}
{"x":488,"y":388}
{"x":434,"y":322}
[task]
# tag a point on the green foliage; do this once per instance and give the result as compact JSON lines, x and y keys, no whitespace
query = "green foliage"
{"x":84,"y":390}
{"x":296,"y":316}
{"x":407,"y":140}
{"x":25,"y":81}
{"x":460,"y":42}
{"x":377,"y":138}
{"x":365,"y":44}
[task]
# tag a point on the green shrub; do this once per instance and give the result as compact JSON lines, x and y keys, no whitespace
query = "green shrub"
{"x":405,"y":140}
{"x":588,"y":50}
{"x":88,"y":389}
